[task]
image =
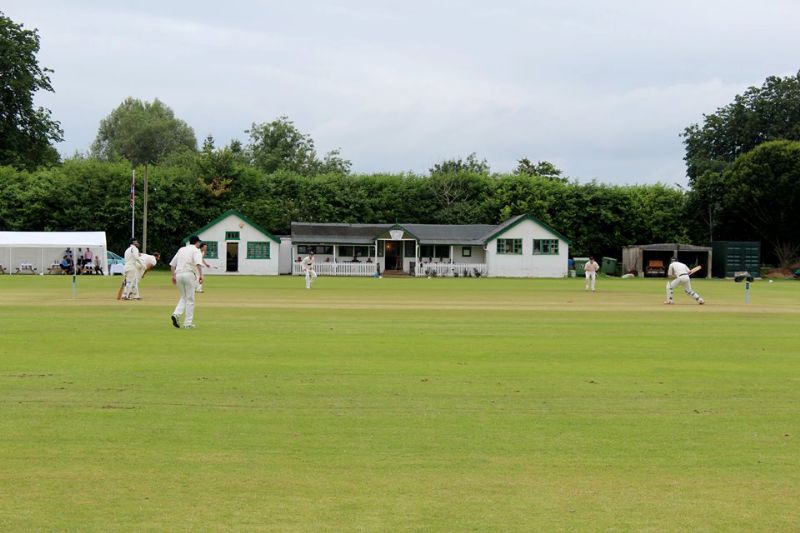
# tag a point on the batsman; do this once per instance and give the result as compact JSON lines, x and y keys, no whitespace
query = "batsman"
{"x":681,"y":273}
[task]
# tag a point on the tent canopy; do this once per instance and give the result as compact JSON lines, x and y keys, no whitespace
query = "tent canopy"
{"x":38,"y":252}
{"x":52,"y":239}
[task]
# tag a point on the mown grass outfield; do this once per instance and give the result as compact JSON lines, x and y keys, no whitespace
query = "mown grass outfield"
{"x":399,"y":404}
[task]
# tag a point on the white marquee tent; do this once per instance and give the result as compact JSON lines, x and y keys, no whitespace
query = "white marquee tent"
{"x":38,"y":250}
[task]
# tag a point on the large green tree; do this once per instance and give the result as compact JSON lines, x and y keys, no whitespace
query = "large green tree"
{"x":761,"y":114}
{"x":280,"y":146}
{"x":144,"y":133}
{"x":26,"y":131}
{"x":762,"y":190}
{"x":767,"y":113}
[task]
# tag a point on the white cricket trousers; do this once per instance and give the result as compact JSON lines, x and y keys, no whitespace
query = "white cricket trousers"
{"x":591,"y":277}
{"x":186,"y":282}
{"x":311,"y":276}
{"x":131,"y":283}
{"x":684,"y":280}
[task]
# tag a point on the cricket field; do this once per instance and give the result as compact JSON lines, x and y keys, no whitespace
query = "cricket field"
{"x":399,"y":405}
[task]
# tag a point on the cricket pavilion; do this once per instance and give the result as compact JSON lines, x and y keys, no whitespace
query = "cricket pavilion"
{"x":522,"y":246}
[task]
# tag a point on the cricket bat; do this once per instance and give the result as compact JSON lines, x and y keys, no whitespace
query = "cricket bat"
{"x":695,"y":269}
{"x":121,"y":288}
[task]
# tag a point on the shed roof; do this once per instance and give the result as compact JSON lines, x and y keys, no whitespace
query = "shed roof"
{"x":459,"y":234}
{"x":670,"y":247}
{"x":470,"y":234}
{"x":320,"y":233}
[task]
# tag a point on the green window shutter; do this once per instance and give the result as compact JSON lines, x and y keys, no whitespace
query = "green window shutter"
{"x":258,"y":250}
{"x":545,"y":246}
{"x":231,"y":235}
{"x":509,"y":246}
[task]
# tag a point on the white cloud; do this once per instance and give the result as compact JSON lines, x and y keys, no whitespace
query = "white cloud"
{"x":601,"y":89}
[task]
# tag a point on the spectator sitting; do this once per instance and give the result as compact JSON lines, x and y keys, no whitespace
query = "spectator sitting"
{"x":98,"y":268}
{"x":369,"y":260}
{"x":355,"y":260}
{"x":66,"y":265}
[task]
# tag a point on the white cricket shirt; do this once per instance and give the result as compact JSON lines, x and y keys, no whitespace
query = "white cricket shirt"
{"x":677,"y":268}
{"x":187,"y":259}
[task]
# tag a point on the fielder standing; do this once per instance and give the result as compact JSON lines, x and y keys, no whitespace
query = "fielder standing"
{"x":680,"y":272}
{"x":133,"y":265}
{"x":307,"y":265}
{"x":590,"y":269}
{"x":187,"y":272}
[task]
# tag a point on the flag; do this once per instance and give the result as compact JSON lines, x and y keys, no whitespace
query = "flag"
{"x":133,"y":186}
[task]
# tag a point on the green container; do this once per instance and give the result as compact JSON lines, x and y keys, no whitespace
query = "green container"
{"x":580,"y":262}
{"x":609,"y":266}
{"x":730,"y":257}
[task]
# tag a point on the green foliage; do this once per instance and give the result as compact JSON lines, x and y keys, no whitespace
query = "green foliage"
{"x":541,"y":168}
{"x":90,"y":194}
{"x":280,"y":146}
{"x":26,"y":132}
{"x":144,"y":133}
{"x":218,"y":168}
{"x":469,"y":165}
{"x":762,"y":190}
{"x":766,"y":113}
{"x":725,"y":182}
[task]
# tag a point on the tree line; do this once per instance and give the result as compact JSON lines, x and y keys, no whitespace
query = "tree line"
{"x":85,"y":194}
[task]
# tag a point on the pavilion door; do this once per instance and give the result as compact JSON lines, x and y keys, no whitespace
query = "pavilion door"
{"x":394,"y":255}
{"x":232,"y":259}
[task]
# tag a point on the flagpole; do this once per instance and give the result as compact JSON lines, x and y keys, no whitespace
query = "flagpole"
{"x":133,"y":195}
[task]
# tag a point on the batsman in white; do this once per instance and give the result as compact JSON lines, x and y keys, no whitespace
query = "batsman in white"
{"x":187,"y":272}
{"x":307,"y":265}
{"x":681,"y":273}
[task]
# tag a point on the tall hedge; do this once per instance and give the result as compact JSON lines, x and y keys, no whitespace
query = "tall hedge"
{"x":86,"y":194}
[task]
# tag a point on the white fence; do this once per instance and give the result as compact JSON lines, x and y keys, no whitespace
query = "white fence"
{"x":460,"y":270}
{"x":337,"y":269}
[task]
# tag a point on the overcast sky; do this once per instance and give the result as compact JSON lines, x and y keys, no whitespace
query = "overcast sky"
{"x":601,"y":89}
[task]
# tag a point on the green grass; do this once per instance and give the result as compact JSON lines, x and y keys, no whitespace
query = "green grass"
{"x":399,"y":404}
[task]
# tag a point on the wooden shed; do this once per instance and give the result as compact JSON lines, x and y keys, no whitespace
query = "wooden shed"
{"x":652,"y":260}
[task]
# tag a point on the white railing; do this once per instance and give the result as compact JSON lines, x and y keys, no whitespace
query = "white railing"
{"x":460,"y":270}
{"x":337,"y":269}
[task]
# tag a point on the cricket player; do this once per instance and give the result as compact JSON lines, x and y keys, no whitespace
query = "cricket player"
{"x":146,"y":263}
{"x":590,"y":270}
{"x":307,"y":264}
{"x":187,"y":272}
{"x":680,"y":272}
{"x":133,"y":265}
